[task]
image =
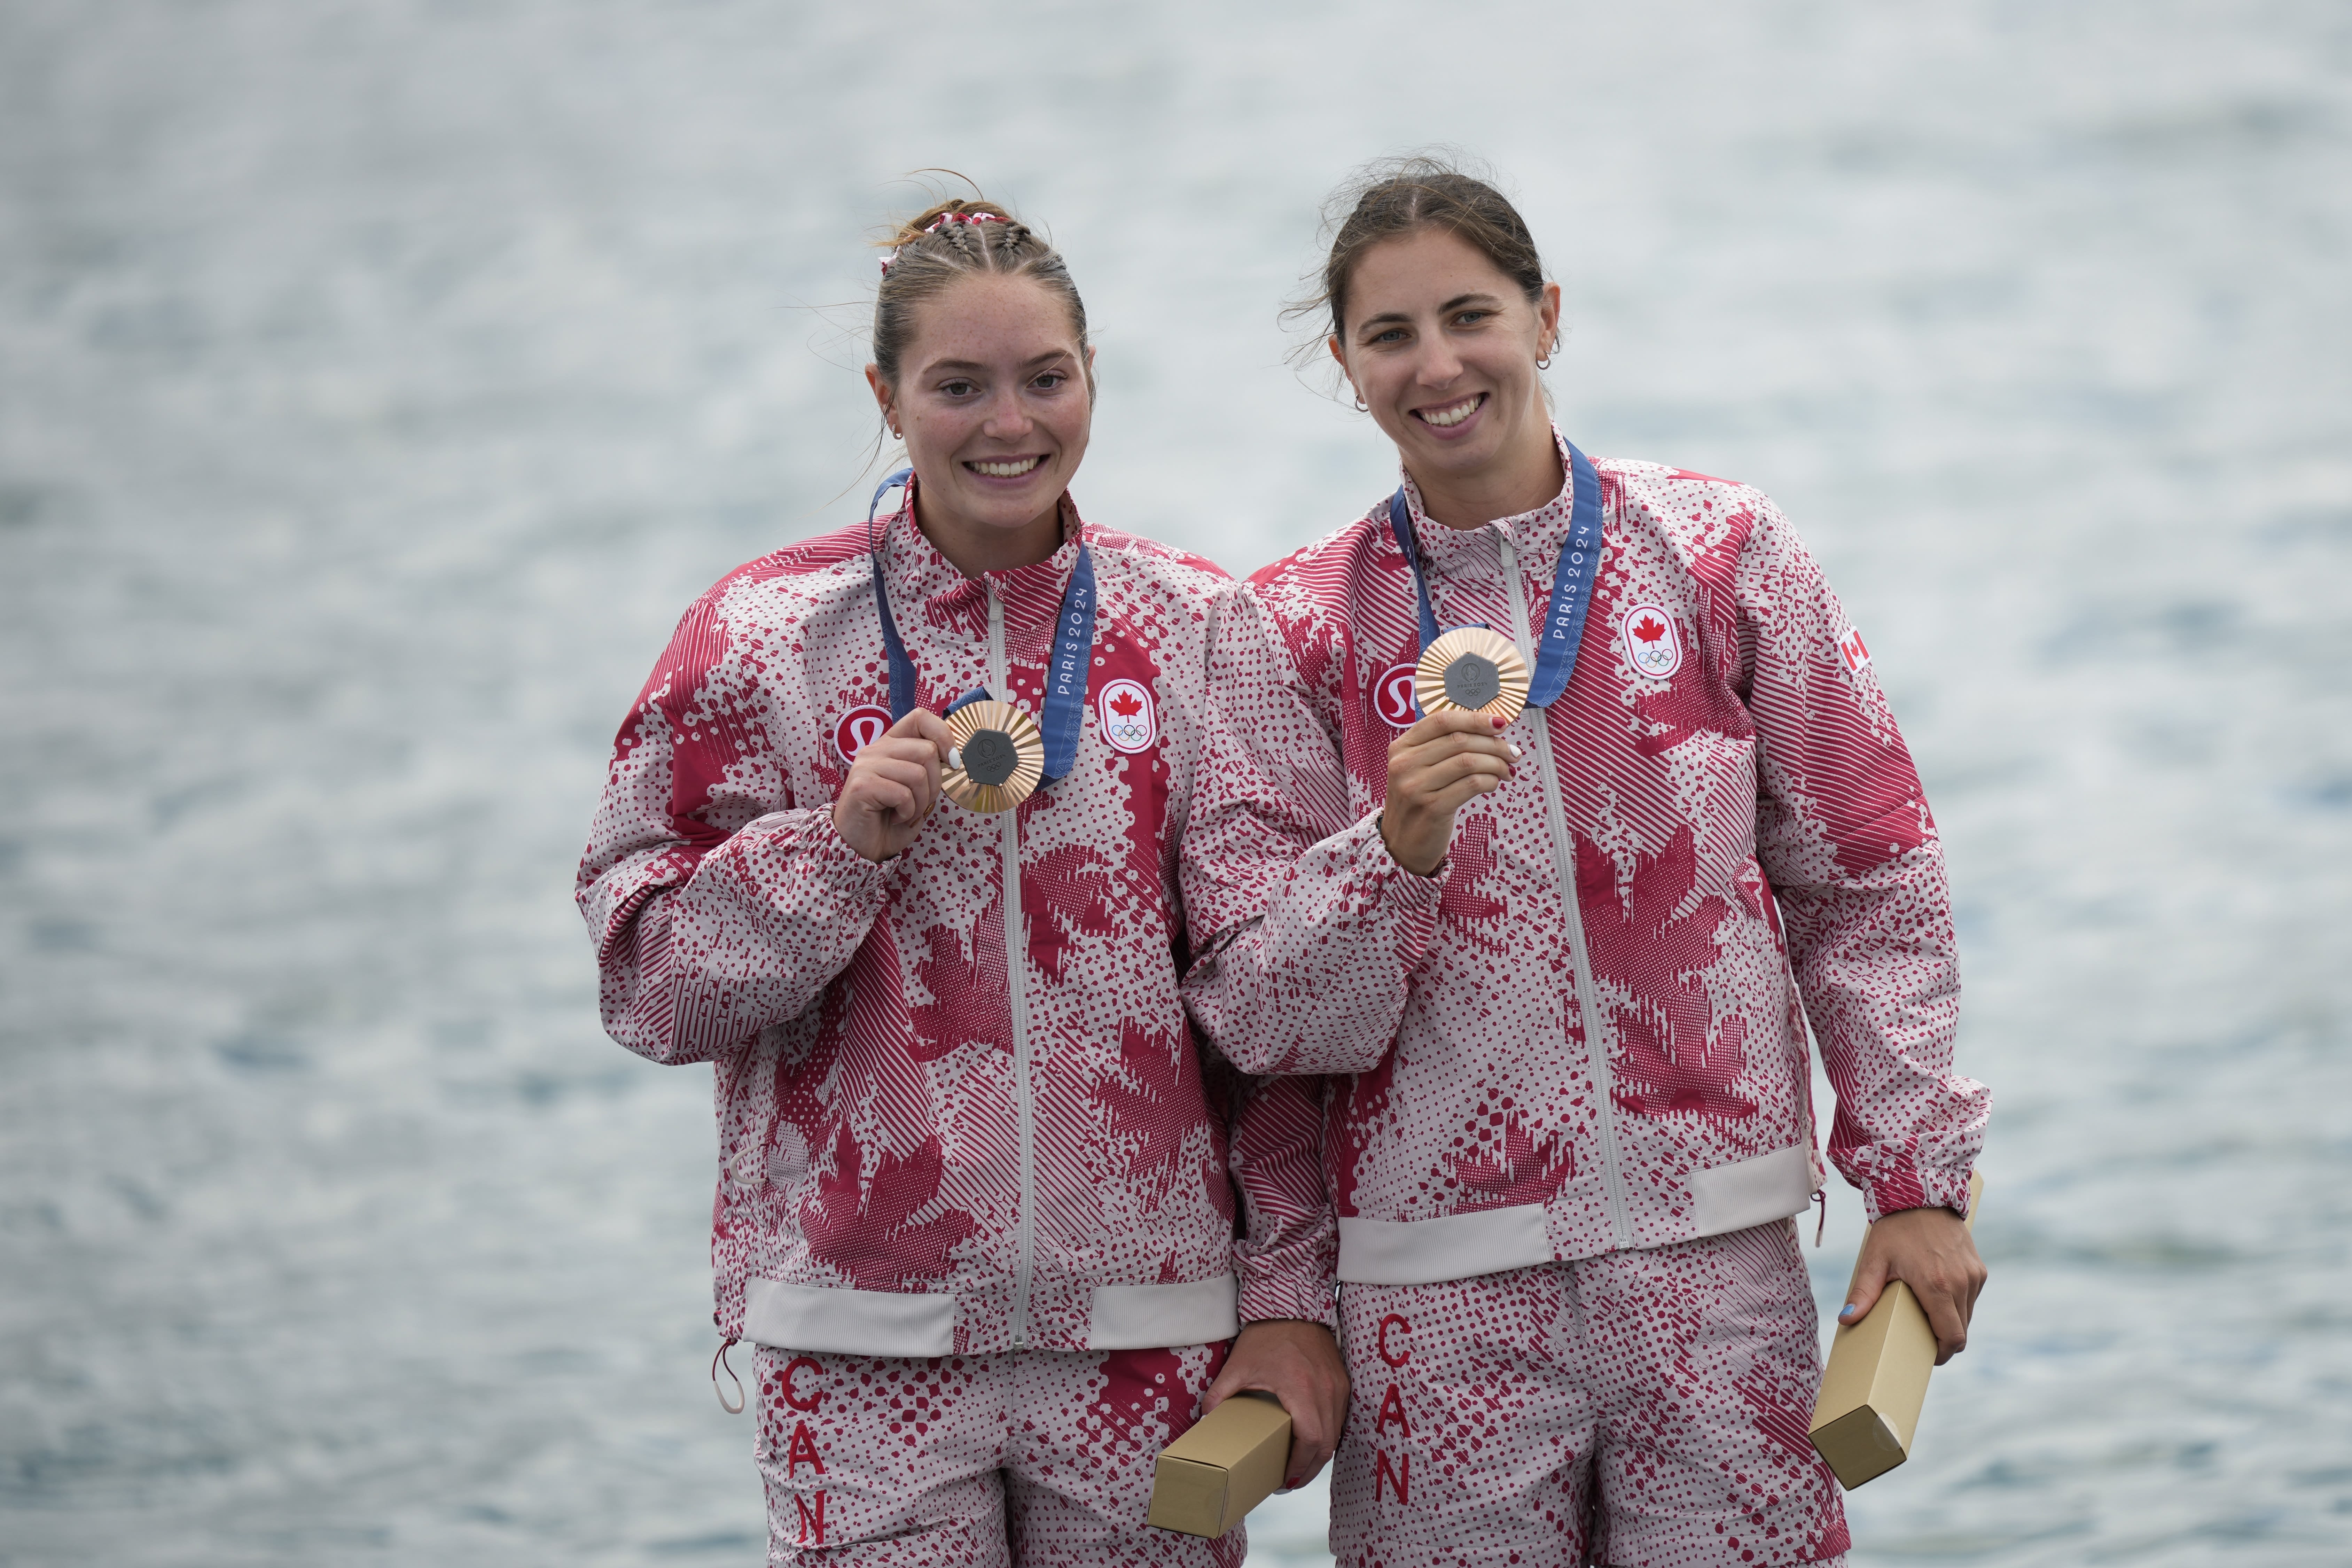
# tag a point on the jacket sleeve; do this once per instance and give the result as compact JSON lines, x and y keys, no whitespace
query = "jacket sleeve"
{"x":1304,"y":932}
{"x":1288,"y":1255}
{"x":1845,"y":838}
{"x":714,"y":913}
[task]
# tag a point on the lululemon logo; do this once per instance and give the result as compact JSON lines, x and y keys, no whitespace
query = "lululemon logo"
{"x":859,"y":728}
{"x":1392,"y":696}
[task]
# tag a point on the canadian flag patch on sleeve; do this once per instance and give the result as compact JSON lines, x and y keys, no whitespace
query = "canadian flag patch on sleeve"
{"x":1850,"y":647}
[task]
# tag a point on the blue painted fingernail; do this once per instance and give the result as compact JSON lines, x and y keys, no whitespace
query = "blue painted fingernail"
{"x":1847,"y":1310}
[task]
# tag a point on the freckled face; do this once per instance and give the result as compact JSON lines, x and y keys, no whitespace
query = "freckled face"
{"x":1443,"y":346}
{"x":993,"y":404}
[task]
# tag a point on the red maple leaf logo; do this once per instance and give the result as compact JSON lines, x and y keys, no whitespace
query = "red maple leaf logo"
{"x":1650,"y":629}
{"x":1126,"y":704}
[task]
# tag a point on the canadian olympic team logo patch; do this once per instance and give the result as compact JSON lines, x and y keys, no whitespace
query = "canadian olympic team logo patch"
{"x":857,"y":729}
{"x":1652,"y":642}
{"x":1129,"y":718}
{"x":1392,"y":696}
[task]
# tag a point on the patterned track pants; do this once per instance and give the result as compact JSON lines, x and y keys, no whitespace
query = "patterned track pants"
{"x":1640,"y":1409}
{"x":1032,"y":1457}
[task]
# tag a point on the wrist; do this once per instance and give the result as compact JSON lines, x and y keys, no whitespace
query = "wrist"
{"x":1397,"y":857}
{"x":866,"y":834}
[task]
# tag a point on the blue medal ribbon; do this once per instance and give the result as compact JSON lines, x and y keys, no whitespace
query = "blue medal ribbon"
{"x":1571,"y":582}
{"x":1066,"y":672}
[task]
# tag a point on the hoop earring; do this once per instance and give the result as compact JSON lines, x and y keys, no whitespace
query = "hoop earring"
{"x":1361,"y":407}
{"x":1545,"y":362}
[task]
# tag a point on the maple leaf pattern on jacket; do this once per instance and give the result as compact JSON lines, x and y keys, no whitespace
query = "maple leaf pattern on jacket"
{"x":1502,"y":1163}
{"x":1067,"y":893}
{"x":867,"y":1230}
{"x":1146,"y":1111}
{"x":970,"y":1005}
{"x":1738,"y":830}
{"x":1660,"y":959}
{"x":1476,"y":913}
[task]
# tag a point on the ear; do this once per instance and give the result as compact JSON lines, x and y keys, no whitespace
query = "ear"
{"x":1339,"y":354}
{"x":1547,"y":319}
{"x":882,"y":394}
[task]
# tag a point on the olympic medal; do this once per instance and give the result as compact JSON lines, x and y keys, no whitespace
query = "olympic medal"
{"x":998,"y":757}
{"x":1473,"y":668}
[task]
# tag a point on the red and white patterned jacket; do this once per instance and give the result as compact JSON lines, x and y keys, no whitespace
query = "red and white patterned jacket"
{"x":1604,"y":1046}
{"x":928,"y":1146}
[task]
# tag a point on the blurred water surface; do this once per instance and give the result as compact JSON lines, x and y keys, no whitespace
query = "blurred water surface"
{"x":379,"y":380}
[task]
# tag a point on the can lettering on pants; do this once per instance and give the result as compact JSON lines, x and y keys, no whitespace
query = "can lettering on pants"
{"x":1386,"y":1477}
{"x":804,"y":1400}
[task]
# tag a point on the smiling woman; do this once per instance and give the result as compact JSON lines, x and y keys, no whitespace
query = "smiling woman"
{"x":982,"y":367}
{"x":1700,"y":832}
{"x":910,"y":835}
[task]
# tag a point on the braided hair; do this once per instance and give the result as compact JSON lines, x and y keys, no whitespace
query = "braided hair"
{"x":956,"y":239}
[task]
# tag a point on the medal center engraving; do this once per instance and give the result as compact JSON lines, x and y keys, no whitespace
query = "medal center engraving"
{"x":1472,"y":681}
{"x":990,"y":757}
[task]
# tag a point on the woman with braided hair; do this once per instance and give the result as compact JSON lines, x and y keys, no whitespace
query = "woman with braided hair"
{"x":908,"y":835}
{"x":1614,"y":709}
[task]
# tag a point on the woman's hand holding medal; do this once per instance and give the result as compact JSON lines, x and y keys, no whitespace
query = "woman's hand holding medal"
{"x":892,"y":785}
{"x":1444,"y":762}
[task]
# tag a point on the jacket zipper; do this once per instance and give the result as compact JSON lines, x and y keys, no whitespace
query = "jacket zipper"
{"x":1563,"y":855}
{"x":1009,"y":840}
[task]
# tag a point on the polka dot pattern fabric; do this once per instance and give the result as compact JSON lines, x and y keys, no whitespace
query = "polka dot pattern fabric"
{"x":1740,"y":841}
{"x":894,"y":1115}
{"x":1042,"y":1459}
{"x":1644,"y":1409}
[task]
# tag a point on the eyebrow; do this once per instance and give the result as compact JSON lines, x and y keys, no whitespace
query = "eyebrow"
{"x":1455,"y":303}
{"x":937,"y":365}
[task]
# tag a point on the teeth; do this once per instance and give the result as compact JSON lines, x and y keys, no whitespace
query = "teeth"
{"x":1446,"y":418}
{"x":1010,"y":470}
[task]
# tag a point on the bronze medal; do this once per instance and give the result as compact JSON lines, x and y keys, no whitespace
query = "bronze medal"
{"x":1474,"y":668}
{"x":998,"y":757}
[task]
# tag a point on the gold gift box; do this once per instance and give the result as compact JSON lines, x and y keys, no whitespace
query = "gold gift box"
{"x":1231,"y":1460}
{"x":1877,"y":1380}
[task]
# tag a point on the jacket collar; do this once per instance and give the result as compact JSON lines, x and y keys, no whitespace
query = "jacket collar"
{"x":1536,"y":535}
{"x":928,"y":591}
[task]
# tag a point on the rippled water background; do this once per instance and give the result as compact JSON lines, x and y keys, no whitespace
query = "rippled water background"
{"x":379,"y":380}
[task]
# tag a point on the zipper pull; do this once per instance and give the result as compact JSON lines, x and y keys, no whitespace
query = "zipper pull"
{"x":1822,"y":1225}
